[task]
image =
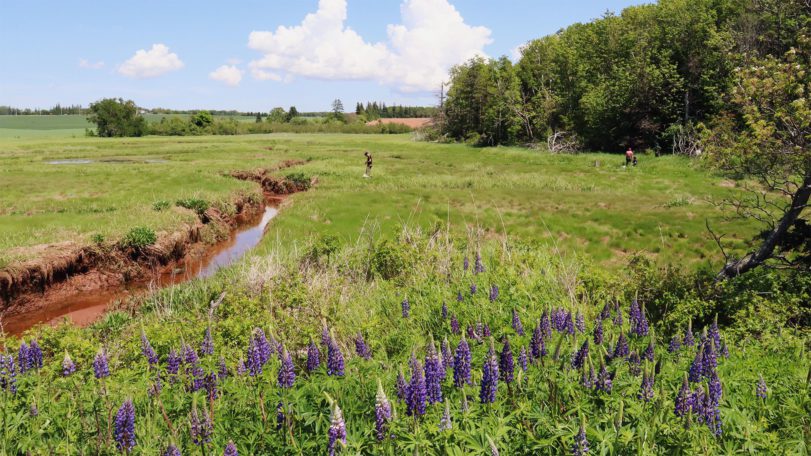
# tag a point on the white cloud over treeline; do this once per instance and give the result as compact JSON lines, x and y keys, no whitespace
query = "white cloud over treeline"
{"x":156,"y":61}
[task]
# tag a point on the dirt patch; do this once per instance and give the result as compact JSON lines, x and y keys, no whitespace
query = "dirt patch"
{"x":65,"y":269}
{"x":727,"y":184}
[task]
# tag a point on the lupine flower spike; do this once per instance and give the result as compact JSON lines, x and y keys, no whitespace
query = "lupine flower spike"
{"x":516,"y":324}
{"x":416,"y":391}
{"x":506,"y":363}
{"x":406,"y":308}
{"x":461,"y":364}
{"x":68,"y":367}
{"x":230,"y":450}
{"x":335,"y":359}
{"x":287,"y":374}
{"x":100,"y":366}
{"x":171,"y":450}
{"x":207,"y":346}
{"x":761,"y":390}
{"x":313,"y":356}
{"x":489,"y":384}
{"x":445,"y":423}
{"x":382,"y":412}
{"x":124,"y":429}
{"x":337,"y":430}
{"x":433,"y":374}
{"x":580,"y":446}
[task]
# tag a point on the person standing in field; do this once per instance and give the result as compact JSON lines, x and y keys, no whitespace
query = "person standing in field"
{"x":368,"y":164}
{"x":629,"y":156}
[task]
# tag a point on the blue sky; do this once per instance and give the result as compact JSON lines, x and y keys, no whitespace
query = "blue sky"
{"x":231,"y":55}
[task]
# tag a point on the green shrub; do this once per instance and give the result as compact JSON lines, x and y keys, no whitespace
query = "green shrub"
{"x":325,"y":246}
{"x":301,"y":181}
{"x":388,"y":261}
{"x":97,"y":238}
{"x":197,"y":205}
{"x":139,"y":237}
{"x":161,"y":205}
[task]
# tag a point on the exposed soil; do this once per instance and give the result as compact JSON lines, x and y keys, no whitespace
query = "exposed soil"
{"x":49,"y":282}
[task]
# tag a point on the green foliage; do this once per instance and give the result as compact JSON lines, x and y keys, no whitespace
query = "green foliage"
{"x":139,"y":237}
{"x":202,"y":119}
{"x":161,"y":205}
{"x":116,"y":117}
{"x":300,"y":180}
{"x":389,"y":260}
{"x":97,"y":238}
{"x":198,"y":205}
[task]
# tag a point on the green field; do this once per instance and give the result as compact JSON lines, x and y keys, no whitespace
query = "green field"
{"x":583,"y":203}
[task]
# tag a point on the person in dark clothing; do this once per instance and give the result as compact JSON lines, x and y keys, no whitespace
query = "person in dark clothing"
{"x":368,"y":164}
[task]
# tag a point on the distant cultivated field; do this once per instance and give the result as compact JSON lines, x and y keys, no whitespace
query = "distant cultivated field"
{"x":580,"y":203}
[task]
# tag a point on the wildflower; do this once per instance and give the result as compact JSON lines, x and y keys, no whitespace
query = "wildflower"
{"x":172,"y":364}
{"x":580,"y":323}
{"x":361,"y":348}
{"x":634,"y":363}
{"x":580,"y":446}
{"x":713,"y":333}
{"x":68,"y":367}
{"x":230,"y":450}
{"x":516,"y":324}
{"x":489,"y":384}
{"x":8,"y":374}
{"x":147,"y":350}
{"x":689,"y":341}
{"x":454,"y":324}
{"x":201,"y":427}
{"x":189,"y":355}
{"x":537,"y":347}
{"x":580,"y":355}
{"x":459,"y":297}
{"x":598,"y":333}
{"x":100,"y":366}
{"x":447,"y":357}
{"x":401,"y":385}
{"x":761,"y":390}
{"x":604,"y":380}
{"x":337,"y":430}
{"x":618,"y":317}
{"x":207,"y":346}
{"x":313,"y":357}
{"x":473,"y":288}
{"x":124,"y":430}
{"x":522,"y":358}
{"x":258,"y":353}
{"x":697,"y":403}
{"x":241,"y":369}
{"x":684,"y":400}
{"x":287,"y":375}
{"x":649,"y":351}
{"x":461,"y":364}
{"x":382,"y":412}
{"x":22,"y":357}
{"x":171,"y":450}
{"x":634,"y":313}
{"x":444,"y":311}
{"x":724,"y":350}
{"x":486,"y":331}
{"x":546,"y":325}
{"x":714,"y":389}
{"x":156,"y":387}
{"x":222,"y":368}
{"x":280,"y":417}
{"x":568,"y":324}
{"x":479,"y":267}
{"x":33,"y":411}
{"x":466,"y":264}
{"x":639,"y":325}
{"x":335,"y":359}
{"x":34,"y":355}
{"x":606,"y":312}
{"x":710,"y":359}
{"x":646,"y":388}
{"x":621,"y":349}
{"x":506,"y":363}
{"x":697,"y":367}
{"x":406,"y":308}
{"x":416,"y":391}
{"x":493,"y":292}
{"x":433,"y":374}
{"x":445,"y":423}
{"x":325,"y":335}
{"x":674,"y":345}
{"x":588,"y":378}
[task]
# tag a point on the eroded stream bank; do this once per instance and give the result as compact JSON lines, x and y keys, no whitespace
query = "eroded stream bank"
{"x":83,"y":284}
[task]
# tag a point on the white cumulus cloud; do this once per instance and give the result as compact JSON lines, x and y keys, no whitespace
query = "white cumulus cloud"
{"x":228,"y":74}
{"x":84,"y":63}
{"x":149,"y":64}
{"x":431,"y":37}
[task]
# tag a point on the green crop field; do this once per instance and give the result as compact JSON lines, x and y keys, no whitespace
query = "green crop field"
{"x":585,"y":203}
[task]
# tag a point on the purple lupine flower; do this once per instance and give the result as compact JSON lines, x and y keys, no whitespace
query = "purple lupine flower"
{"x":641,"y":329}
{"x":455,"y":325}
{"x":634,"y":312}
{"x":406,"y":308}
{"x":222,"y":368}
{"x":489,"y":384}
{"x":710,"y":361}
{"x":486,"y":330}
{"x":171,"y":450}
{"x":68,"y":367}
{"x":580,"y":446}
{"x":473,"y":288}
{"x":433,"y":374}
{"x":479,"y":267}
{"x":335,"y":359}
{"x":325,"y":335}
{"x":337,"y":430}
{"x":697,"y":367}
{"x":580,"y":323}
{"x":604,"y":380}
{"x":313,"y":357}
{"x":714,"y":334}
{"x":34,"y":355}
{"x":618,"y":317}
{"x":537,"y":345}
{"x":471,"y":333}
{"x":522,"y":358}
{"x":621,"y":349}
{"x":568,"y":324}
{"x":605,"y":314}
{"x":465,"y":263}
{"x":8,"y":374}
{"x":646,"y":388}
{"x":258,"y":353}
{"x":287,"y":374}
{"x":22,"y":357}
{"x":461,"y":364}
{"x":761,"y":391}
{"x":598,"y":333}
{"x":197,"y":378}
{"x":416,"y":391}
{"x":445,"y":423}
{"x":230,"y":450}
{"x":579,"y":357}
{"x":588,"y":378}
{"x":172,"y":364}
{"x":124,"y":427}
{"x":382,"y":413}
{"x":189,"y":355}
{"x":493,"y":292}
{"x":714,"y":389}
{"x":684,"y":400}
{"x":361,"y":348}
{"x":649,"y":351}
{"x":444,"y":310}
{"x":207,"y":346}
{"x":459,"y":297}
{"x":689,"y":340}
{"x":201,"y":427}
{"x":241,"y":368}
{"x":634,"y":364}
{"x":516,"y":324}
{"x":147,"y":350}
{"x":506,"y":363}
{"x":280,"y":416}
{"x":674,"y":345}
{"x":559,"y":319}
{"x":401,"y":386}
{"x":100,"y":366}
{"x":447,"y":357}
{"x":697,"y":403}
{"x":546,"y":325}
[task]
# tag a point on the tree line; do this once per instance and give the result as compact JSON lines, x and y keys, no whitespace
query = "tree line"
{"x":56,"y":110}
{"x":638,"y":79}
{"x":374,"y":110}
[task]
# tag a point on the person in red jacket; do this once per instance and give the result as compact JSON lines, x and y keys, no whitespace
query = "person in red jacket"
{"x":629,"y":156}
